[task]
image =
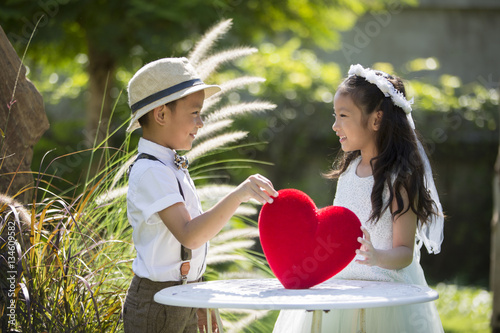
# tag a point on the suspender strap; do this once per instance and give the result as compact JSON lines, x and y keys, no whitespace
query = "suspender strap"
{"x":186,"y":254}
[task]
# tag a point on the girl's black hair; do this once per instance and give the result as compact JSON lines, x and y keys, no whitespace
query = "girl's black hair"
{"x":398,"y":164}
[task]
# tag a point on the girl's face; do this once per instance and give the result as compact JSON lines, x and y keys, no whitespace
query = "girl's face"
{"x":355,"y":129}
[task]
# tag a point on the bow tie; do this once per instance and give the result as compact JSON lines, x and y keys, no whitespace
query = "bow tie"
{"x":181,"y":162}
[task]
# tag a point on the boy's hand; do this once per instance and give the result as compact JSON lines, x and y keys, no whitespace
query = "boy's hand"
{"x":256,"y":187}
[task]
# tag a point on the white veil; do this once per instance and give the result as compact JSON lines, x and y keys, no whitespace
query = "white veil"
{"x":430,"y":234}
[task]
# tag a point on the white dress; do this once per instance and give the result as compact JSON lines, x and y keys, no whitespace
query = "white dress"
{"x":354,"y":192}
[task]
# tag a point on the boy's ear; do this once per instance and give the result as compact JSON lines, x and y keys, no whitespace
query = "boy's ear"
{"x":159,"y":114}
{"x":377,"y":120}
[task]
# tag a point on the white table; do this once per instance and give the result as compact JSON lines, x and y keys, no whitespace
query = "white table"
{"x":269,"y":294}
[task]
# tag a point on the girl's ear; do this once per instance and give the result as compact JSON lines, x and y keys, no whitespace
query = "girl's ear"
{"x":377,"y":120}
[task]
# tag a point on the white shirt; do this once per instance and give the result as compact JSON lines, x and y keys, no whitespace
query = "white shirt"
{"x":153,"y":187}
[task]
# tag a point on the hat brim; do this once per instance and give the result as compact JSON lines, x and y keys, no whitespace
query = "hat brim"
{"x":209,"y":91}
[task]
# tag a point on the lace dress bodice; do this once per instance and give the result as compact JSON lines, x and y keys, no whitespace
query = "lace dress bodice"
{"x":354,"y":192}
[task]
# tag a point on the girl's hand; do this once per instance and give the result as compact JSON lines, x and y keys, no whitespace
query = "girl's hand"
{"x":256,"y":187}
{"x":367,"y":250}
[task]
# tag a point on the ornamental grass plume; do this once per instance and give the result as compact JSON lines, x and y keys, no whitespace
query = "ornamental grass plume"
{"x":232,"y":246}
{"x":209,"y":145}
{"x":209,"y":65}
{"x":209,"y":129}
{"x":205,"y":44}
{"x":230,"y":86}
{"x":239,"y":109}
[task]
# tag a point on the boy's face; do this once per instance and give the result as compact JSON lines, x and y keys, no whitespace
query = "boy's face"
{"x":183,"y":123}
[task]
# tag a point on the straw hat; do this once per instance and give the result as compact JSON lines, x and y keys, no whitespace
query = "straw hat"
{"x":160,"y":82}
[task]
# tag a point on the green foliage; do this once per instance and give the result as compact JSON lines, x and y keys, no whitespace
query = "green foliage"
{"x":464,"y":309}
{"x":66,"y":27}
{"x":476,"y":101}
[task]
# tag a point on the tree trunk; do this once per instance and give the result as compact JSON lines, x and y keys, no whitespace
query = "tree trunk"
{"x":495,"y":249}
{"x":22,"y":121}
{"x":101,"y":73}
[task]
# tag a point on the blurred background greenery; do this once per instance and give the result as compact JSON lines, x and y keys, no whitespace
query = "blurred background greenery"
{"x":305,"y":48}
{"x":85,"y":51}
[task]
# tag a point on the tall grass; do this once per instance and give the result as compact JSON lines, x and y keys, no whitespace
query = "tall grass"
{"x":66,"y":257}
{"x":72,"y":258}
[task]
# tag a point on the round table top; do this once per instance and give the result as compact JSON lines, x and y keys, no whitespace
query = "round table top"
{"x":269,"y":294}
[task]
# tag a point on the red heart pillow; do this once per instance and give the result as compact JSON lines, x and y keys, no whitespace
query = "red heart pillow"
{"x":305,"y":246}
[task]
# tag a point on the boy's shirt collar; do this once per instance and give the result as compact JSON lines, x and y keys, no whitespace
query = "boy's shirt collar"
{"x":164,"y":154}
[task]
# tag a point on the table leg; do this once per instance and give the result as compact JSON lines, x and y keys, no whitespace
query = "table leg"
{"x":362,"y":321}
{"x":316,"y":321}
{"x":217,"y":318}
{"x":209,"y":320}
{"x":219,"y":321}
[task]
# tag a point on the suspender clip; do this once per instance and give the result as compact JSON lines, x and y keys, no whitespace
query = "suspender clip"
{"x":185,"y":267}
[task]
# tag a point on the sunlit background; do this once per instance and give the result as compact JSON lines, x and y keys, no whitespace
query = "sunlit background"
{"x":84,"y":52}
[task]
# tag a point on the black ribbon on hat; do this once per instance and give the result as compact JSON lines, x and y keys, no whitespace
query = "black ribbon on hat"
{"x":181,"y":162}
{"x":164,"y":93}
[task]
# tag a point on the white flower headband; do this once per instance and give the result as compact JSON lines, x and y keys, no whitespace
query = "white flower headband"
{"x":385,"y":87}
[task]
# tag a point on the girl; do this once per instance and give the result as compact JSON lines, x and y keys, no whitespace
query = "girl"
{"x":384,"y":177}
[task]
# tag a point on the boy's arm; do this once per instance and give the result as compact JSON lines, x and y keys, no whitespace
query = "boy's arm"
{"x":193,"y":233}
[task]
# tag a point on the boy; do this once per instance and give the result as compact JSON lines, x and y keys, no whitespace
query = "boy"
{"x":166,"y":97}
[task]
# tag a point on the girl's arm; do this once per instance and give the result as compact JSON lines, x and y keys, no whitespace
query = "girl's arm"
{"x":403,"y":240}
{"x":193,"y":233}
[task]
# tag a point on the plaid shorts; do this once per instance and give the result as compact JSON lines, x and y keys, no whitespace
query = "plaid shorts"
{"x":142,"y":314}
